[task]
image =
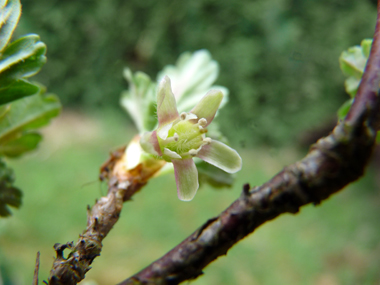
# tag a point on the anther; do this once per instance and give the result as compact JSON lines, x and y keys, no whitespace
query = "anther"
{"x":175,"y":138}
{"x":183,"y":116}
{"x":202,"y":122}
{"x":193,"y":152}
{"x":203,"y":131}
{"x":207,"y":140}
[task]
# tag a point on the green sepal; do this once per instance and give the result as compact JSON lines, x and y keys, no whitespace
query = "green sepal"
{"x":214,"y":176}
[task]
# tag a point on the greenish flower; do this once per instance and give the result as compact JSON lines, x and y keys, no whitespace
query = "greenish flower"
{"x":180,"y":137}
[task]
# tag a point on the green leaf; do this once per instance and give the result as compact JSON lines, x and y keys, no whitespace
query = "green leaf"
{"x":352,"y":63}
{"x":366,"y":47}
{"x":27,"y":114}
{"x":26,"y":48}
{"x":10,"y":12}
{"x":352,"y":84}
{"x":16,"y":90}
{"x":22,"y":58}
{"x":343,"y":110}
{"x":18,"y":146}
{"x":9,"y":195}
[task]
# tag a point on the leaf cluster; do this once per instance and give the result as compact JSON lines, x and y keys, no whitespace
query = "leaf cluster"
{"x":24,"y":106}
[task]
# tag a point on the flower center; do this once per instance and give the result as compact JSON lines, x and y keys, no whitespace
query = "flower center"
{"x":185,"y":138}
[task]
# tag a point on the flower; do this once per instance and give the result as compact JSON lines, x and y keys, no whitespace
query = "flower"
{"x":180,"y":137}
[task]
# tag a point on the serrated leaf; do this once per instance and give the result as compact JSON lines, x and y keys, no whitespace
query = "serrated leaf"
{"x":10,"y":12}
{"x":20,"y":59}
{"x":27,"y":114}
{"x":28,"y":47}
{"x":18,"y":146}
{"x":9,"y":195}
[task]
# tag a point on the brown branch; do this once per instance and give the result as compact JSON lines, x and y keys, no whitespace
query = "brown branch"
{"x":332,"y":163}
{"x":367,"y":95}
{"x":101,"y":218}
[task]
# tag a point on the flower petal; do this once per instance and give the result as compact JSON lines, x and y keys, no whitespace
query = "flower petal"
{"x":186,"y":177}
{"x":166,"y":105}
{"x":164,"y":131}
{"x":221,"y":156}
{"x":208,"y":106}
{"x":172,"y":154}
{"x":149,"y":143}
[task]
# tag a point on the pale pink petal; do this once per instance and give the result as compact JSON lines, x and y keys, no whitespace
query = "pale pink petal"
{"x":186,"y":177}
{"x":221,"y":155}
{"x":149,"y":143}
{"x":209,"y":104}
{"x":166,"y":105}
{"x":164,"y":131}
{"x":171,"y":154}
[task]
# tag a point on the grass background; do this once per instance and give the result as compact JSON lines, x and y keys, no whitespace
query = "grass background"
{"x":334,"y":243}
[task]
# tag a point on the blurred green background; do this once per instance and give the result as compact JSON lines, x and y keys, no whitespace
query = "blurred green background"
{"x":279,"y":58}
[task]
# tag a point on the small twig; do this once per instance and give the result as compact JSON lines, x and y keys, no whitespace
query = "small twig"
{"x":100,"y":220}
{"x":36,"y":269}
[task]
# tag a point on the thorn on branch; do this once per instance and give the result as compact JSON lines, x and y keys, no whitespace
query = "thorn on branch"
{"x":246,"y":188}
{"x":59,"y":248}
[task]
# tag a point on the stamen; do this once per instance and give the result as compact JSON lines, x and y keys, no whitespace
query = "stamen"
{"x":203,"y":131}
{"x":183,"y":116}
{"x":202,"y":122}
{"x":175,"y":138}
{"x":207,"y":140}
{"x":191,"y":152}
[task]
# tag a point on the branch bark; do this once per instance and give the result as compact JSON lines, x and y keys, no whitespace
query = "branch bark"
{"x":332,"y":163}
{"x":122,"y":185}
